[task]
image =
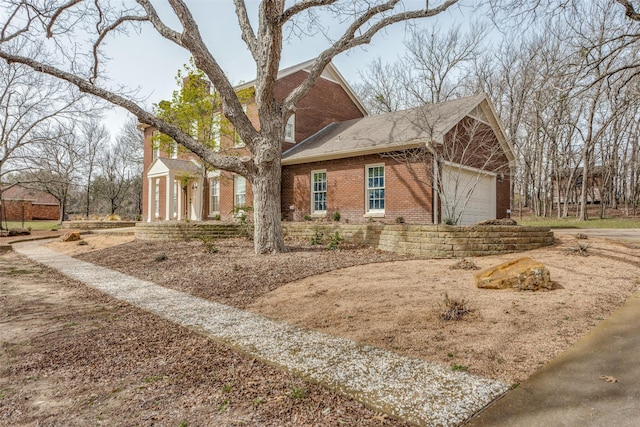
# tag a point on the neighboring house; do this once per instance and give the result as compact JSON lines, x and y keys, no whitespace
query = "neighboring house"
{"x":176,"y":186}
{"x":20,"y":203}
{"x":382,"y":167}
{"x":567,"y":184}
{"x":339,"y":159}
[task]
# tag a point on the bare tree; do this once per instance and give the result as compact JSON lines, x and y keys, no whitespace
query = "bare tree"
{"x":54,"y":167}
{"x":64,"y":22}
{"x":454,"y":169}
{"x":32,"y":106}
{"x":94,"y":141}
{"x":434,"y":69}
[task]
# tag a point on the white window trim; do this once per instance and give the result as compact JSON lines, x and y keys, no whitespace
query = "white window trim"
{"x":235,"y":193}
{"x":216,"y":131}
{"x":374,"y":213}
{"x":314,"y":212}
{"x":214,"y":180}
{"x":291,"y":121}
{"x":174,"y":150}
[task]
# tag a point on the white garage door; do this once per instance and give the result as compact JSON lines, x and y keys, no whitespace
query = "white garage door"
{"x":469,"y":195}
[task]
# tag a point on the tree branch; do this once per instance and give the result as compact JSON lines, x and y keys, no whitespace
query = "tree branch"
{"x":630,"y":10}
{"x":349,"y":40}
{"x":229,"y":163}
{"x":248,"y":35}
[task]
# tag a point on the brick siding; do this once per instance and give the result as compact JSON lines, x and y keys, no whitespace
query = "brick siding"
{"x":17,"y":210}
{"x":406,"y":193}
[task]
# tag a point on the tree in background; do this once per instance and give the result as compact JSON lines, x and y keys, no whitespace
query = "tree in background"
{"x":32,"y":107}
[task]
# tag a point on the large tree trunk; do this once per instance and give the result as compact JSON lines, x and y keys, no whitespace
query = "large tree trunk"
{"x":267,"y":236}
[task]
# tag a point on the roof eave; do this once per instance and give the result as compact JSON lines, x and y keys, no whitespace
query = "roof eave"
{"x":354,"y":153}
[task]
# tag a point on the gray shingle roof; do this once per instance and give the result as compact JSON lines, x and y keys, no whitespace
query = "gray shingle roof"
{"x":385,"y":132}
{"x":184,"y":166}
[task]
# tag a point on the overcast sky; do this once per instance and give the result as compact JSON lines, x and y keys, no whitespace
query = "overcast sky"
{"x":147,"y":61}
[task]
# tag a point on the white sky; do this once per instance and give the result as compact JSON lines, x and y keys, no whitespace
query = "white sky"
{"x":147,"y":61}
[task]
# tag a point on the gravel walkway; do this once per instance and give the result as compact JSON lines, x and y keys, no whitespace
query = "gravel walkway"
{"x":419,"y":392}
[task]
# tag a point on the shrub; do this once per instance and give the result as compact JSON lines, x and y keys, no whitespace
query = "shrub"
{"x":400,"y":220}
{"x":307,"y":217}
{"x":464,"y":264}
{"x":581,"y":249}
{"x":454,"y":308}
{"x":336,"y":239}
{"x":209,"y":244}
{"x":316,"y":239}
{"x":336,"y":216}
{"x":113,"y":217}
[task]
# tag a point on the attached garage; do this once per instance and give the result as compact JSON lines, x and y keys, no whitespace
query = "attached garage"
{"x":468,"y":195}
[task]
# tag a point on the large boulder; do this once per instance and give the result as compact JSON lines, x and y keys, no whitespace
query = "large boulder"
{"x":18,"y":232}
{"x":523,"y":274}
{"x":70,"y":236}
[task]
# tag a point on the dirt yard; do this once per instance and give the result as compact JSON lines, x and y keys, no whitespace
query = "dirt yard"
{"x":372,"y":297}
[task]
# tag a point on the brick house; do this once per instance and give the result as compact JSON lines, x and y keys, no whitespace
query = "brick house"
{"x":177,"y":187}
{"x":382,"y":167}
{"x":21,"y":203}
{"x":338,"y":159}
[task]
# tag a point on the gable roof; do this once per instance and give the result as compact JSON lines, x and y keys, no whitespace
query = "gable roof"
{"x":330,"y":72}
{"x":162,"y":166}
{"x":18,"y":192}
{"x":395,"y":131}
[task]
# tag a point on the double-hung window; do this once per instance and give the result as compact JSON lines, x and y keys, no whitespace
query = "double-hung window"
{"x":214,"y":196}
{"x":215,"y":131}
{"x":375,"y":189}
{"x":319,"y":192}
{"x":290,"y":129}
{"x":239,"y":191}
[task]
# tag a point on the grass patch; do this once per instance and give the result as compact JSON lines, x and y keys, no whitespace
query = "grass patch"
{"x":33,"y":225}
{"x":572,"y":222}
{"x":153,"y":378}
{"x":13,"y":271}
{"x":298,"y":392}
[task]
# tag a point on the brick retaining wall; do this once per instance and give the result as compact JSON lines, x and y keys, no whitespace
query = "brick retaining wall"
{"x":436,"y":241}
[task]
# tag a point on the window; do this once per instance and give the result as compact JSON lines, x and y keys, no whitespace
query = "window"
{"x":289,"y":129}
{"x":157,"y":199}
{"x":174,"y":150}
{"x":375,"y":189}
{"x":214,"y":196}
{"x":215,"y":132}
{"x":239,"y":191}
{"x":319,"y":192}
{"x":174,"y":202}
{"x":156,"y":150}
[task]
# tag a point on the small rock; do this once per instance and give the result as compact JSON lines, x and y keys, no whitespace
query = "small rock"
{"x":70,"y":236}
{"x":523,"y":274}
